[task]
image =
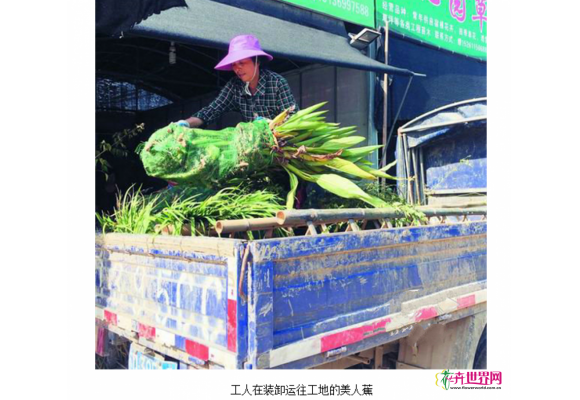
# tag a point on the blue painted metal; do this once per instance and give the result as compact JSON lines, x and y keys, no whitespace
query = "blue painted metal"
{"x":452,"y":142}
{"x":297,"y":287}
{"x":365,"y":344}
{"x":326,"y":282}
{"x":182,"y":292}
{"x":457,"y":162}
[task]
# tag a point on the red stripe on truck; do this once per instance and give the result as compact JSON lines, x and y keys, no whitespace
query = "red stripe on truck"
{"x":232,"y":325}
{"x":352,"y":335}
{"x":425,"y":313}
{"x":147,"y":332}
{"x":467,"y":301}
{"x":197,"y":350}
{"x":110,"y":317}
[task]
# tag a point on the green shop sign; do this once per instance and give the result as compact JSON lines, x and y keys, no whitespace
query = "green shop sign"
{"x":456,"y":25}
{"x":361,"y":12}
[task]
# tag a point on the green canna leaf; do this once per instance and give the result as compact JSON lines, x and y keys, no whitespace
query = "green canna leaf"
{"x":342,"y":143}
{"x":388,"y":166}
{"x":300,"y":126}
{"x":304,"y":112}
{"x":348,"y":167}
{"x":339,"y":186}
{"x":330,"y":145}
{"x":301,"y":174}
{"x":323,"y":131}
{"x":376,"y":172}
{"x":348,"y":130}
{"x":344,"y":134}
{"x":358,"y":151}
{"x":313,"y":141}
{"x":347,"y":189}
{"x":299,"y":138}
{"x":314,"y":115}
{"x":293,"y":186}
{"x":311,"y":167}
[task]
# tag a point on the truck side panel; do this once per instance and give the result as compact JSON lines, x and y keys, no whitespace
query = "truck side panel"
{"x":172,"y":287}
{"x":305,"y":287}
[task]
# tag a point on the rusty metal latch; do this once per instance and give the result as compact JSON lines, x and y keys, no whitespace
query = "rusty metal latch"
{"x":243,"y":272}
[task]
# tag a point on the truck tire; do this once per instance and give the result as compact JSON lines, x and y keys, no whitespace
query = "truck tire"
{"x":480,"y":361}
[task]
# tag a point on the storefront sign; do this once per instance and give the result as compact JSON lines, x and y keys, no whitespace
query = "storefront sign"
{"x":456,"y":25}
{"x":361,"y":12}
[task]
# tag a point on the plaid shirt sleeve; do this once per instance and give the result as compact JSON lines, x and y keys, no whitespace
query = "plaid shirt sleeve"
{"x":223,"y":103}
{"x":285,"y":98}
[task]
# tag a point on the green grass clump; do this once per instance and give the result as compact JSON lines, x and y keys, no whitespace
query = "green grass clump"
{"x":174,"y":208}
{"x":134,"y":213}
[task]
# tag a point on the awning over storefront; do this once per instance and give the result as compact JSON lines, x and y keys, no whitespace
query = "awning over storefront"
{"x":211,"y":24}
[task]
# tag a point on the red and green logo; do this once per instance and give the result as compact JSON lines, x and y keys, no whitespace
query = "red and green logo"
{"x":468,"y":380}
{"x":442,"y":379}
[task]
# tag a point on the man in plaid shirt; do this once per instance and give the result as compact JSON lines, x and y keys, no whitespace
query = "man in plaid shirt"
{"x":254,"y":92}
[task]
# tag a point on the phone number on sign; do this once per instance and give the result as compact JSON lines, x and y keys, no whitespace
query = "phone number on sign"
{"x":348,"y":5}
{"x":473,"y":46}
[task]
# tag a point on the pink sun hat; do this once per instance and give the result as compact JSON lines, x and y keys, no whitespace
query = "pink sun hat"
{"x":242,"y":46}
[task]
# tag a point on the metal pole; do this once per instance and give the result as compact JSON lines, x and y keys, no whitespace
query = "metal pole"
{"x":408,"y":168}
{"x":384,"y":160}
{"x":422,"y":170}
{"x":373,"y":131}
{"x":385,"y":93}
{"x":242,"y":225}
{"x":302,"y":217}
{"x":402,"y":184}
{"x":295,"y":218}
{"x":399,"y":110}
{"x":335,"y":94}
{"x":415,"y":164}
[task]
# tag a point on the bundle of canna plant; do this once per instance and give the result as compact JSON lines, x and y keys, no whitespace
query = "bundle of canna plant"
{"x":204,"y":158}
{"x":303,"y":144}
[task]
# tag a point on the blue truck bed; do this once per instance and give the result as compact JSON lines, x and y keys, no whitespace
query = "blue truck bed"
{"x":304,"y":301}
